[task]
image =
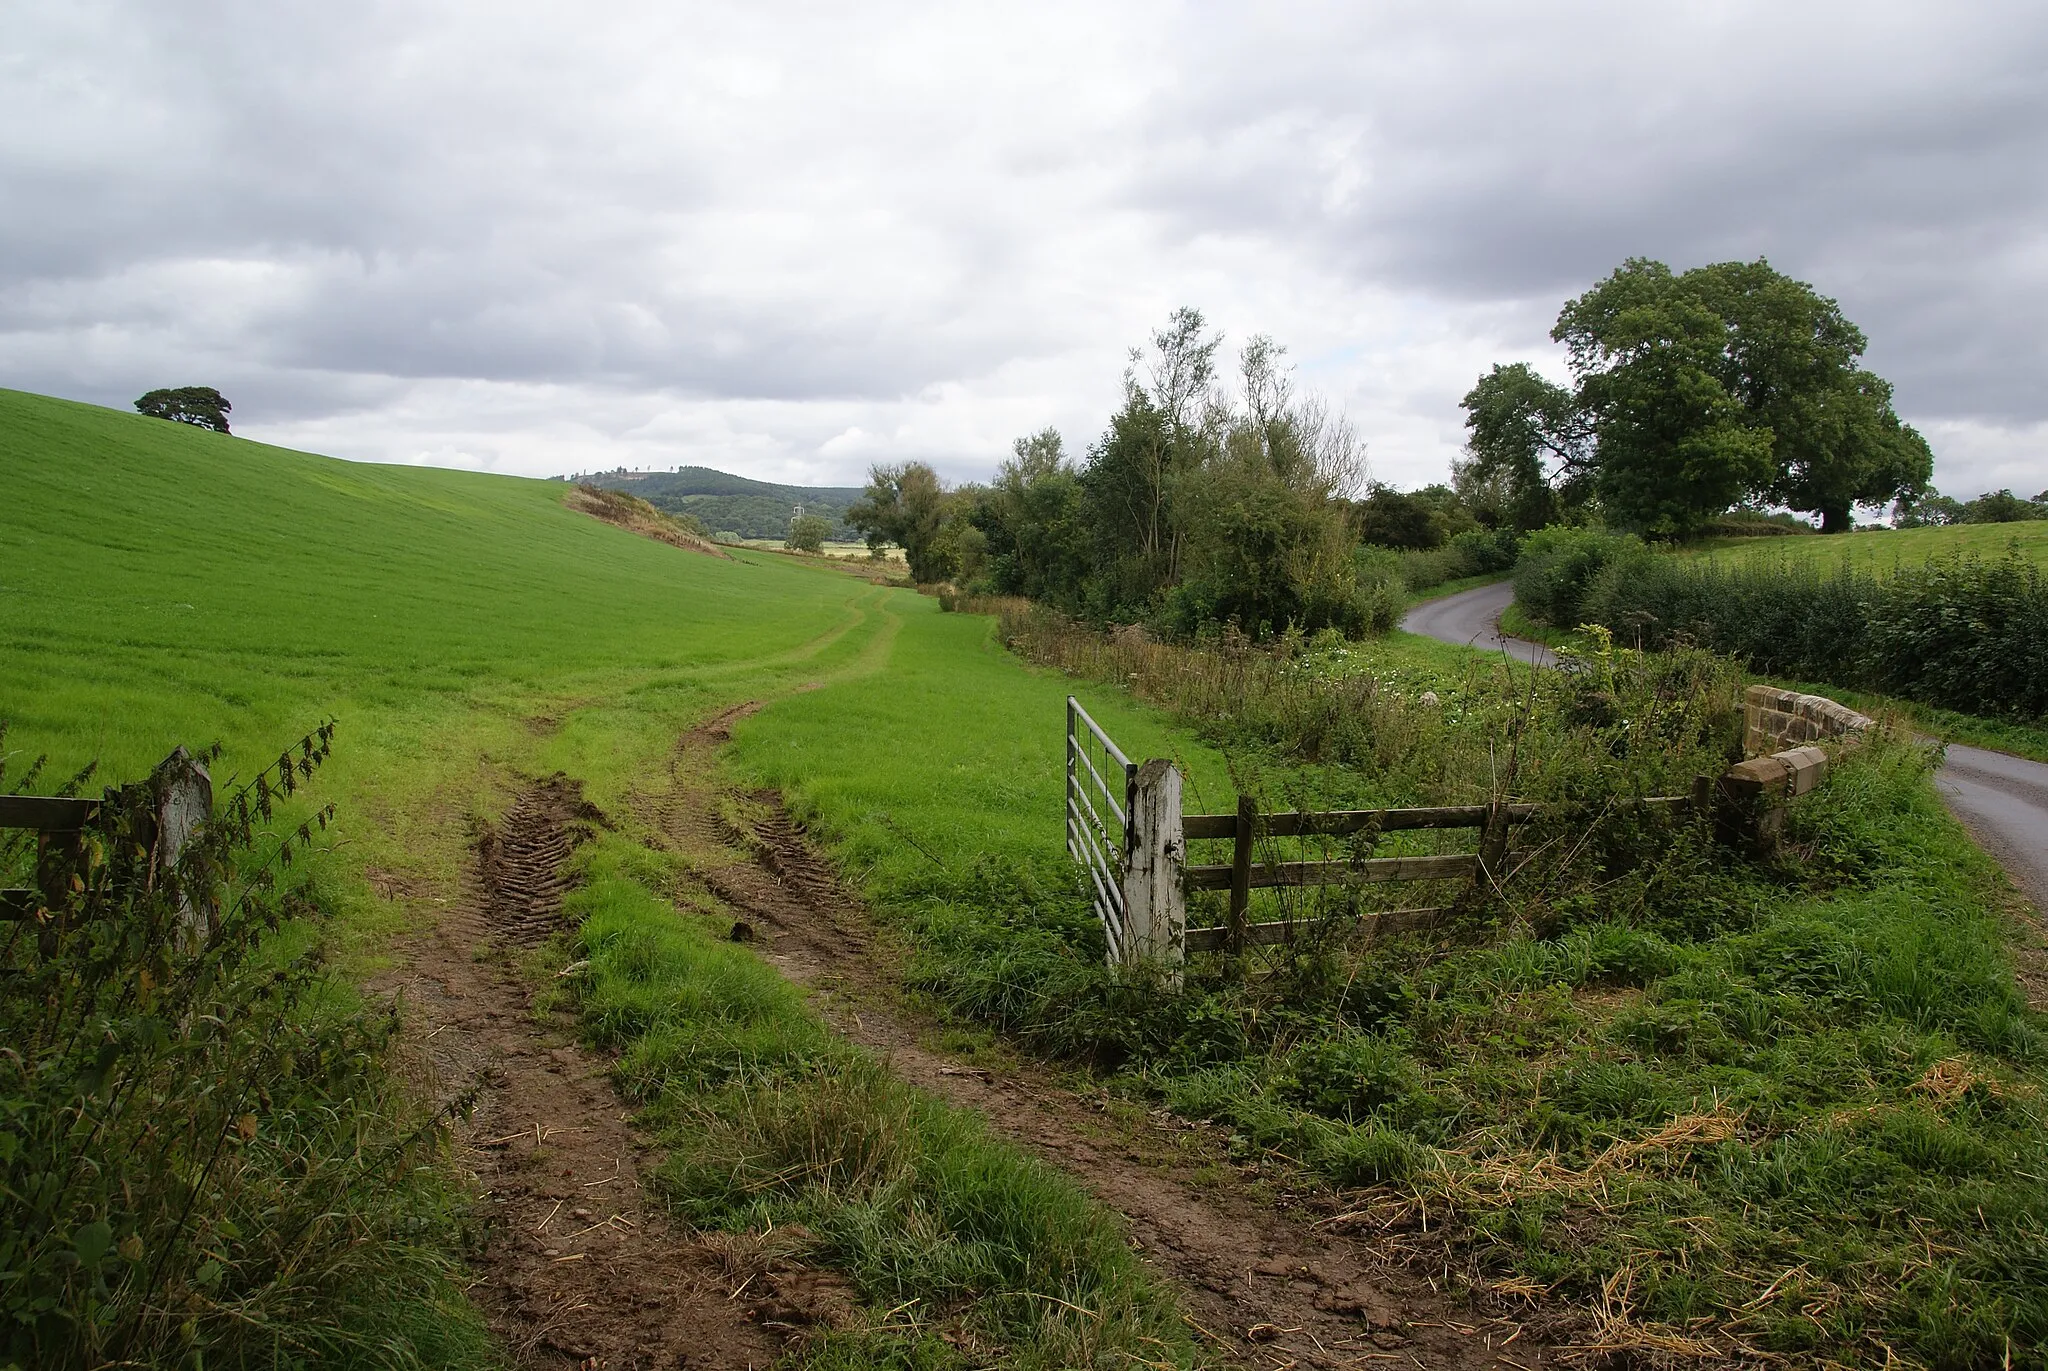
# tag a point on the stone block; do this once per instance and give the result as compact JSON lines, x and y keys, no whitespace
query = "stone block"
{"x":1805,"y":768}
{"x":1773,"y":718}
{"x":1756,"y":778}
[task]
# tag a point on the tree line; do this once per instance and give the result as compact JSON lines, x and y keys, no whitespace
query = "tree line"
{"x":1699,"y":402}
{"x":1208,"y":499}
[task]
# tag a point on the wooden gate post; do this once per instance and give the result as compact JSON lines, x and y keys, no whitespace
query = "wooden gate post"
{"x":1493,"y":848}
{"x":1155,"y":900}
{"x":183,"y":802}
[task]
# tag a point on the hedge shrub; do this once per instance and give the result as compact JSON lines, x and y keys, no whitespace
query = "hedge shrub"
{"x":1965,"y":633}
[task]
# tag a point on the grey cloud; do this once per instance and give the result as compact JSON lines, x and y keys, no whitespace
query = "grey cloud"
{"x":1888,"y":154}
{"x":426,"y":225}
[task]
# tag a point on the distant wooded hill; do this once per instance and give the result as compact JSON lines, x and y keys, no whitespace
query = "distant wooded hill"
{"x":725,"y":503}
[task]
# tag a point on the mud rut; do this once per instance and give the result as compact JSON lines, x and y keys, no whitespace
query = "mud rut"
{"x":576,"y":1269}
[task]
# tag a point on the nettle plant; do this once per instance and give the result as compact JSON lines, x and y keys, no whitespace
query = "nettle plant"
{"x":200,"y":1160}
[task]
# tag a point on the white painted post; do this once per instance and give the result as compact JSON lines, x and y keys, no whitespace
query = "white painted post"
{"x":1155,"y":900}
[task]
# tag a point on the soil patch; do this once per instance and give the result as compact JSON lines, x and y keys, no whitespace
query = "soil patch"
{"x":575,"y":1269}
{"x":635,"y":515}
{"x":519,"y":863}
{"x":1263,"y":1282}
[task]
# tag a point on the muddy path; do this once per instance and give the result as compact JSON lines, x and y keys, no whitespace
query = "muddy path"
{"x":1265,"y":1277}
{"x":575,"y":1267}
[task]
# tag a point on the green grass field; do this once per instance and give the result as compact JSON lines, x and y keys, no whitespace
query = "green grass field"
{"x":1825,"y":1086}
{"x":1881,"y":549}
{"x":162,"y":585}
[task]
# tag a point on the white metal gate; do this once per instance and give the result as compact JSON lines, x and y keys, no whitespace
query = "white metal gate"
{"x":1099,"y":784}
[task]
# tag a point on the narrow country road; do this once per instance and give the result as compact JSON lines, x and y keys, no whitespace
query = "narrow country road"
{"x":2002,"y":800}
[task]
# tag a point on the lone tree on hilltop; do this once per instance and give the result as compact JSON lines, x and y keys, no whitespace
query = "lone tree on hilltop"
{"x":200,"y":405}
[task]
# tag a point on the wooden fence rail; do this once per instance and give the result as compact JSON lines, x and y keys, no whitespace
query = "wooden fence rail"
{"x":59,"y":824}
{"x":1133,"y":838}
{"x":181,"y":795}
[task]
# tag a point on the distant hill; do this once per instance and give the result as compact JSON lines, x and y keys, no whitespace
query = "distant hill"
{"x":725,"y":503}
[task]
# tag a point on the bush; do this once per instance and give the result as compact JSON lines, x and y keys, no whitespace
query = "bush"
{"x":1558,"y":565}
{"x":1752,"y":523}
{"x":1963,"y":633}
{"x":203,"y":1161}
{"x":807,"y":533}
{"x":1475,"y":552}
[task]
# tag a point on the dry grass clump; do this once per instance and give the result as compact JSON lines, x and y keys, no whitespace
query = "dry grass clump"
{"x":635,"y":515}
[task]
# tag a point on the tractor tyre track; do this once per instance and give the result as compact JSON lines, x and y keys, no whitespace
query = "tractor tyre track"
{"x":1268,"y":1287}
{"x":573,"y":1267}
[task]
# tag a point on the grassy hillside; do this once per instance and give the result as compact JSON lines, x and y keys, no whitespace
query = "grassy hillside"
{"x":1794,"y":1106}
{"x":162,"y":585}
{"x":1880,"y":549}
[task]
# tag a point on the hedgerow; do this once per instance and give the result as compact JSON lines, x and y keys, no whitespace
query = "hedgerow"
{"x":1964,"y":633}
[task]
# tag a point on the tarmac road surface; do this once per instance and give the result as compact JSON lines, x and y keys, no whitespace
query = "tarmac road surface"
{"x":2002,"y":800}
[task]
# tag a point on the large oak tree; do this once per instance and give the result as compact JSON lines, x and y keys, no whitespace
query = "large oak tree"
{"x":200,"y":405}
{"x":1692,"y":392}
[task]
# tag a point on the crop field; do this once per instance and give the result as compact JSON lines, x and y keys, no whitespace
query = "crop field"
{"x":1661,"y":1103}
{"x":1881,"y":549}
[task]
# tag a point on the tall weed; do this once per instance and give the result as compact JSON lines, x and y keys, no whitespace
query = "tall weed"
{"x":203,"y":1159}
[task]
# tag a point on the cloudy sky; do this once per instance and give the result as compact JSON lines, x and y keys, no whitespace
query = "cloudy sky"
{"x":789,"y":240}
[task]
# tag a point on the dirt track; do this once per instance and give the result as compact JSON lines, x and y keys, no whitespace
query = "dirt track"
{"x":1267,"y":1280}
{"x":575,"y":1268}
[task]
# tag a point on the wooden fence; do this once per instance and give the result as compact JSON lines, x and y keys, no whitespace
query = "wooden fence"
{"x":1125,"y":826}
{"x":181,"y":799}
{"x":59,"y":825}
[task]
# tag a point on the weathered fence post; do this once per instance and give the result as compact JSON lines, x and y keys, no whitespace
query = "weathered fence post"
{"x":1241,"y":874}
{"x":182,"y":801}
{"x":1155,"y":900}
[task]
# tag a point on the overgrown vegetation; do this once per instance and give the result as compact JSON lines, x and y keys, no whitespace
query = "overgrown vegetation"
{"x":635,"y":515}
{"x":203,"y":1158}
{"x":1961,"y":633}
{"x":1196,"y":508}
{"x":1710,"y":1104}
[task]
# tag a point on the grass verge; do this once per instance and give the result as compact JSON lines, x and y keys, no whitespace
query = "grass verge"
{"x":1689,"y":1103}
{"x":965,"y":1250}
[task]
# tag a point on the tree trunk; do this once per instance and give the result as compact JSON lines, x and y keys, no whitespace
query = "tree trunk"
{"x":1836,"y":519}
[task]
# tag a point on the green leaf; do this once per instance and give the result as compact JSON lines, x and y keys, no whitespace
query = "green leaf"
{"x":91,"y":1243}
